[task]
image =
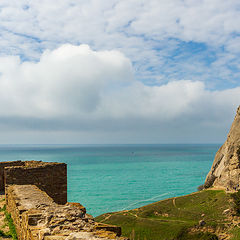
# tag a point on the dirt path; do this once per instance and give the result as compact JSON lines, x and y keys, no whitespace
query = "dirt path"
{"x":106,"y":218}
{"x":150,"y":219}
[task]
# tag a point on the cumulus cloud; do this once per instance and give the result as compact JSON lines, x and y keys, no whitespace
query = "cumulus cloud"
{"x":74,"y":88}
{"x":149,"y":32}
{"x":68,"y":80}
{"x":173,"y":76}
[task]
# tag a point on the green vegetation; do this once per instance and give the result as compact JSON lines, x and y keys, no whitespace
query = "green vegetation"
{"x":235,"y":233}
{"x":2,"y":234}
{"x":184,"y":235}
{"x":174,"y":218}
{"x":236,"y":198}
{"x":12,"y":230}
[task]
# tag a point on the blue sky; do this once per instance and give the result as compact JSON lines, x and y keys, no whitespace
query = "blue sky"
{"x":129,"y":71}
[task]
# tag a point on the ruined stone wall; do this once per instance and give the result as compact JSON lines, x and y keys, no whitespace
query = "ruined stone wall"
{"x":49,"y":177}
{"x":36,"y":197}
{"x":7,"y":164}
{"x":37,"y":217}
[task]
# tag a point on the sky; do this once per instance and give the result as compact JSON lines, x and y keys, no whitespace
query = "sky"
{"x":109,"y":72}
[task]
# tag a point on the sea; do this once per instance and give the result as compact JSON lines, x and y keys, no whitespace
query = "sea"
{"x":108,"y":178}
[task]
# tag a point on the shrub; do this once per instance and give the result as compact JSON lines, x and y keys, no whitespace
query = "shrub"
{"x":209,"y":182}
{"x":12,"y":229}
{"x":201,"y":187}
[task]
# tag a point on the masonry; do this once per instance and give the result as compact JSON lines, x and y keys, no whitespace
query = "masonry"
{"x":7,"y":164}
{"x":36,"y":197}
{"x":49,"y":177}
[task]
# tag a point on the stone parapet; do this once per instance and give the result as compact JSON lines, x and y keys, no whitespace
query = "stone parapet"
{"x":49,"y":177}
{"x":37,"y":217}
{"x":7,"y":164}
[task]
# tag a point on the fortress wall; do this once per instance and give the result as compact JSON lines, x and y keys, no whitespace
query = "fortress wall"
{"x":37,"y":217}
{"x":7,"y":164}
{"x":16,"y":212}
{"x":23,"y":202}
{"x":49,"y":177}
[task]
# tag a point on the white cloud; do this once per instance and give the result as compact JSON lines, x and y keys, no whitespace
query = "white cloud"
{"x":67,"y":80}
{"x":74,"y":88}
{"x":157,"y":81}
{"x":149,"y":32}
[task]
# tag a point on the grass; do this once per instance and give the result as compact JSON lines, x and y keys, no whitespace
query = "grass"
{"x":235,"y":233}
{"x":184,"y":235}
{"x":174,"y":218}
{"x":236,"y":198}
{"x":12,"y":229}
{"x":9,"y":221}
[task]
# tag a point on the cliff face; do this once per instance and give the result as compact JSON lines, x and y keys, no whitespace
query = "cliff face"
{"x":225,"y":171}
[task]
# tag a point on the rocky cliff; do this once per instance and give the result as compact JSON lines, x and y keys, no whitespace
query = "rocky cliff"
{"x":225,"y":171}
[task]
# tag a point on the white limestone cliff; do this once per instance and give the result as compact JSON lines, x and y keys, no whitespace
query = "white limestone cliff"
{"x":225,"y":171}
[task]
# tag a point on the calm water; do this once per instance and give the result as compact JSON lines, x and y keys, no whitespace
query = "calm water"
{"x":107,"y":178}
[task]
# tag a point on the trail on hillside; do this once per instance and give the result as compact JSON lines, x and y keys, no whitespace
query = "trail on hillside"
{"x":146,"y":200}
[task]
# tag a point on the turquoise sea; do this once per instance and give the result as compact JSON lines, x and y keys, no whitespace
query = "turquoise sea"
{"x":106,"y":178}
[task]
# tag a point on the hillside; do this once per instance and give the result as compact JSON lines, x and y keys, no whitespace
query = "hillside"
{"x":206,"y":215}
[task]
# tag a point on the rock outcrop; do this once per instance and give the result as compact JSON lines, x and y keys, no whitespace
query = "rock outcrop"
{"x":225,"y":171}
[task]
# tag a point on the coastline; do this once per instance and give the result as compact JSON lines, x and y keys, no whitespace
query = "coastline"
{"x":110,"y":179}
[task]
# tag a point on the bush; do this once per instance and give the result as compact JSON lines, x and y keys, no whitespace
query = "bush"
{"x":12,"y":229}
{"x":201,"y":187}
{"x":209,"y":182}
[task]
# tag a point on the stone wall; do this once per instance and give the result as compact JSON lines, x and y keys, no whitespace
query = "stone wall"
{"x":37,"y":217}
{"x":7,"y":164}
{"x":49,"y":177}
{"x":36,"y":197}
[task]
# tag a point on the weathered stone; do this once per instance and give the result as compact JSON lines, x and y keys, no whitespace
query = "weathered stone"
{"x":102,"y":226}
{"x":225,"y":171}
{"x":43,"y":219}
{"x":49,"y":177}
{"x":7,"y":164}
{"x":36,"y":197}
{"x":78,"y":205}
{"x":81,"y":236}
{"x":44,"y":232}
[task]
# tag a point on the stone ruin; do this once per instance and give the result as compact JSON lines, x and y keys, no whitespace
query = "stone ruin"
{"x":36,"y":197}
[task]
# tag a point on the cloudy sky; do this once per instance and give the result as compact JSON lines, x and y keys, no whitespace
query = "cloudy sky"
{"x":129,"y":71}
